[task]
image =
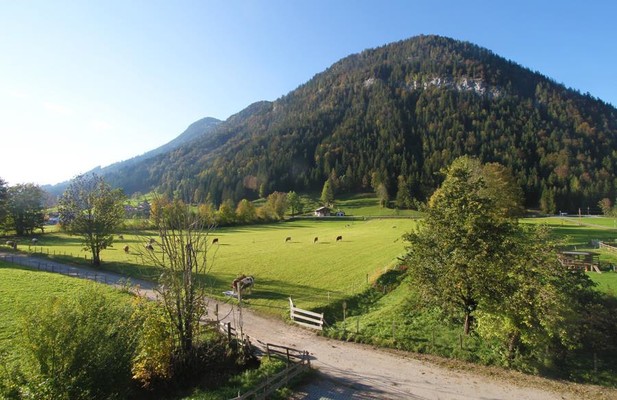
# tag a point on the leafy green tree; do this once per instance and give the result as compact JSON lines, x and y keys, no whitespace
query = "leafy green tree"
{"x":547,"y":201}
{"x":277,"y":202}
{"x":226,"y":214}
{"x":207,"y":213}
{"x":403,"y":194}
{"x":295,"y":203}
{"x":246,"y":212}
{"x":538,"y":304}
{"x":327,"y":194}
{"x":381,"y":190}
{"x":503,"y":189}
{"x":25,"y":207}
{"x":90,"y":208}
{"x":606,"y":206}
{"x":3,"y":202}
{"x":457,"y":252}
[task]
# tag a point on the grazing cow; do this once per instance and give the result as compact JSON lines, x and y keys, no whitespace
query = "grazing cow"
{"x":35,"y":241}
{"x":12,"y":244}
{"x":315,"y":240}
{"x":152,"y":241}
{"x":288,"y":239}
{"x":149,"y":247}
{"x":120,"y":237}
{"x":243,"y":284}
{"x":215,"y":240}
{"x":126,"y":249}
{"x":339,"y":238}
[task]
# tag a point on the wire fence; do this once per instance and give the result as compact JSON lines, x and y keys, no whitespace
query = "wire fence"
{"x":53,"y":267}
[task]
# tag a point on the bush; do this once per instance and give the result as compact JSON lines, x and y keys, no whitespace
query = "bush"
{"x":75,"y":348}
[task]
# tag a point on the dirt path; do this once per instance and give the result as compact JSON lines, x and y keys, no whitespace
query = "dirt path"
{"x":353,"y":371}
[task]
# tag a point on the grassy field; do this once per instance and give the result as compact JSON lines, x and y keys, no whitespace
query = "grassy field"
{"x":21,"y":289}
{"x":367,"y":204}
{"x":314,"y":274}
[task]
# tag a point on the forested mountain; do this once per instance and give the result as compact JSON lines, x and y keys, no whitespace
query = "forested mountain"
{"x":119,"y":172}
{"x":408,"y":108}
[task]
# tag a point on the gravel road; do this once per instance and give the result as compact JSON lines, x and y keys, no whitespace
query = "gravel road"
{"x":354,"y":371}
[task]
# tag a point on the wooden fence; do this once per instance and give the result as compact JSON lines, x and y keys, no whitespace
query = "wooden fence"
{"x":298,"y":361}
{"x":608,"y":247}
{"x":305,"y":318}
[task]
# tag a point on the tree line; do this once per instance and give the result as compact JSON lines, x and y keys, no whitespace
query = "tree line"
{"x":22,"y":208}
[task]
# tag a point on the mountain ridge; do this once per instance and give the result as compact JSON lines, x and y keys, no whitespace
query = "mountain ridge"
{"x":403,"y":109}
{"x":193,"y":132}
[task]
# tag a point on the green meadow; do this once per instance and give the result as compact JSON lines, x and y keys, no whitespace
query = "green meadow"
{"x":314,"y":274}
{"x":23,"y":289}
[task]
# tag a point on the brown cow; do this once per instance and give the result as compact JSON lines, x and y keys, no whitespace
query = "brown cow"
{"x":288,"y":239}
{"x":339,"y":238}
{"x":149,"y":247}
{"x":315,"y":240}
{"x":126,"y":249}
{"x":215,"y":240}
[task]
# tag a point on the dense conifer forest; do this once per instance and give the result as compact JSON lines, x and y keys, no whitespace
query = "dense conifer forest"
{"x":406,"y":109}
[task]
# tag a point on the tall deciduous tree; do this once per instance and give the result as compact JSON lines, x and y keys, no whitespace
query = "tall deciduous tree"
{"x":25,"y":208}
{"x":246,"y":212}
{"x":295,"y":203}
{"x":457,"y":252}
{"x":502,"y":187}
{"x":538,"y":305}
{"x":381,"y":189}
{"x":277,"y":203}
{"x":181,"y":254}
{"x":90,"y":208}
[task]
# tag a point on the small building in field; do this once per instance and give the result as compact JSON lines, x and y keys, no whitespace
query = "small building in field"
{"x":322,"y":212}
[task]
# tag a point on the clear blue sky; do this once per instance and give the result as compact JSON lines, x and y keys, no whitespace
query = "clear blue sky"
{"x":89,"y":83}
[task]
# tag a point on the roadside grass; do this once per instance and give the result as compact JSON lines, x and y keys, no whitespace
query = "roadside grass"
{"x":399,"y":320}
{"x":22,"y":289}
{"x":313,"y":274}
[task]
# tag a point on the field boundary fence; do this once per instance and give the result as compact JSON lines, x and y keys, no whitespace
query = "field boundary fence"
{"x":55,"y":268}
{"x":298,"y":361}
{"x":609,"y":247}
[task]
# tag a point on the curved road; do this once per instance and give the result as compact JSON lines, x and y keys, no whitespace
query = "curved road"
{"x":353,"y":371}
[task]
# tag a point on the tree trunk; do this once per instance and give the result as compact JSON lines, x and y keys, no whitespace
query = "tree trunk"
{"x":467,"y":325}
{"x":513,"y":345}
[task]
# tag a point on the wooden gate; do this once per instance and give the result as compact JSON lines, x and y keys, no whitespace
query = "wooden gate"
{"x":305,"y":318}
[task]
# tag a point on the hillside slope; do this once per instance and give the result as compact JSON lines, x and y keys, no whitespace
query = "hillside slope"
{"x":118,"y":173}
{"x":405,"y":109}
